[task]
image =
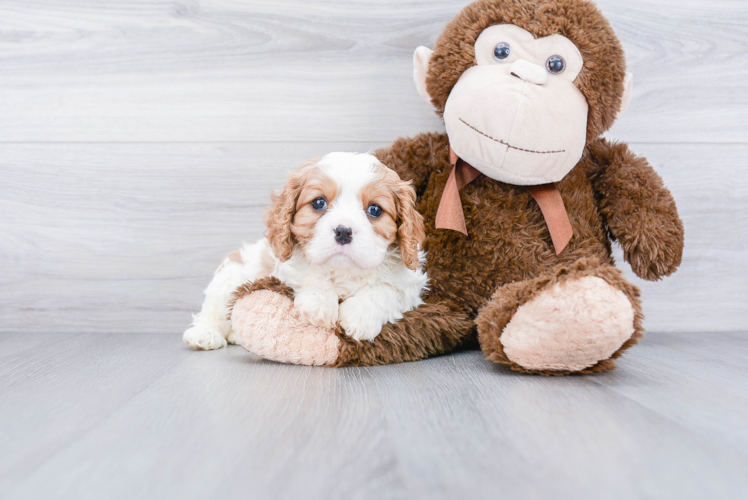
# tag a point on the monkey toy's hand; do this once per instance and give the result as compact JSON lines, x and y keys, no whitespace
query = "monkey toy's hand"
{"x":656,"y":248}
{"x":639,"y":210}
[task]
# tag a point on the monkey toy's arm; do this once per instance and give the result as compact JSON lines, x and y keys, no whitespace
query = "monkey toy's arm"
{"x":638,"y":209}
{"x":415,"y":158}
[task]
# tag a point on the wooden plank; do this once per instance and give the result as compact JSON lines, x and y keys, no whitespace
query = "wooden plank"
{"x":138,"y":416}
{"x":14,"y":345}
{"x":543,"y":437}
{"x":669,"y":372}
{"x":124,"y":237}
{"x":218,"y":424}
{"x":60,"y":389}
{"x":154,"y":70}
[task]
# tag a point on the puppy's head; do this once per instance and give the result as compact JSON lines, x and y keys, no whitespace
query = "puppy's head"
{"x":345,"y":210}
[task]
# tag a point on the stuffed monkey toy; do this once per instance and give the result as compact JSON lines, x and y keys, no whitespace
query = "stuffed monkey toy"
{"x":521,"y":198}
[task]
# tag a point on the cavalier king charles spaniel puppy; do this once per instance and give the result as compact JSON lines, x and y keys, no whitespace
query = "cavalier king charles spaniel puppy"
{"x":345,"y":235}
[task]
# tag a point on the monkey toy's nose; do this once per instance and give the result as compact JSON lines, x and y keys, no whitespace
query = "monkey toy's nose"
{"x":529,"y":72}
{"x":343,"y":235}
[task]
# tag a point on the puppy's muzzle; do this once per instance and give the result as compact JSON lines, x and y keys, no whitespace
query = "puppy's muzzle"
{"x":343,"y":235}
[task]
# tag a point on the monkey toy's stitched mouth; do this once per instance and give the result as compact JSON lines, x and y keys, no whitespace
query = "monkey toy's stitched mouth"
{"x":509,"y":145}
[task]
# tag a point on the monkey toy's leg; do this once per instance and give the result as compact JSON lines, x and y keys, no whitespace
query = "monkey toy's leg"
{"x":265,"y":323}
{"x":574,"y":319}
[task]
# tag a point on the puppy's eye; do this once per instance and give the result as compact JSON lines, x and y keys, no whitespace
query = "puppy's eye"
{"x":555,"y":65}
{"x":319,"y":204}
{"x":374,"y":211}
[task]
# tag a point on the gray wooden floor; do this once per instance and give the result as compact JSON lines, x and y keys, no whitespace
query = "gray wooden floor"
{"x":142,"y":416}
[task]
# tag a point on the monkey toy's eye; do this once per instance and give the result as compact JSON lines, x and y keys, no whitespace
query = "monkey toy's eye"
{"x":501,"y":52}
{"x":555,"y":65}
{"x":319,"y":204}
{"x":374,"y":211}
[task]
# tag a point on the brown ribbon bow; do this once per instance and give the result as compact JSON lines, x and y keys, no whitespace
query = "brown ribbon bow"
{"x":450,"y":214}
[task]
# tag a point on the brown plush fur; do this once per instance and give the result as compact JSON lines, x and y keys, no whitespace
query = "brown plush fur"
{"x":508,"y":256}
{"x":397,"y":198}
{"x":616,"y":196}
{"x":655,"y":248}
{"x":427,"y":331}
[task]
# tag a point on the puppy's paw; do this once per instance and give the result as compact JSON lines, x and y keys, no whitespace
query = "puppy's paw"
{"x":203,"y":338}
{"x":318,"y":309}
{"x":231,"y":338}
{"x":359,"y":320}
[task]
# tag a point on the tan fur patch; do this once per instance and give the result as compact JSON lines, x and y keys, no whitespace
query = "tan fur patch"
{"x":385,"y":227}
{"x":411,"y":232}
{"x":235,"y":256}
{"x":397,"y":199}
{"x":280,"y":213}
{"x":316,"y":184}
{"x":382,"y":192}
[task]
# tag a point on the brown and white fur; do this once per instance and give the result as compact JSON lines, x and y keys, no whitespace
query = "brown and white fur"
{"x":348,"y":263}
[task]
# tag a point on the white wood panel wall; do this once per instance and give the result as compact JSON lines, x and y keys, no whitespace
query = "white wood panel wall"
{"x":139,"y":140}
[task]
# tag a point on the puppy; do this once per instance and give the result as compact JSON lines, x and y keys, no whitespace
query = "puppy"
{"x":345,"y":235}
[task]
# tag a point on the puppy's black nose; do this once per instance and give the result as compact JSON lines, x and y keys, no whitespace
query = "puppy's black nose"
{"x":343,"y":235}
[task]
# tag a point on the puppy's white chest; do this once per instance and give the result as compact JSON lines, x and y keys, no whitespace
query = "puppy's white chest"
{"x":347,"y":285}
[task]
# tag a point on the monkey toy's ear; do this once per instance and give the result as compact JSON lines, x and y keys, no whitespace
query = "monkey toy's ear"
{"x":628,"y":89}
{"x":421,"y":59}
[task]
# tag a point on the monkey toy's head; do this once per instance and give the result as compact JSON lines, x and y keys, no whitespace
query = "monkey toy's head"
{"x":524,"y":85}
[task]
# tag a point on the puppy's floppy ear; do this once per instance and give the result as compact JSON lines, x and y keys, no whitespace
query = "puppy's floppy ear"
{"x":410,"y":229}
{"x":279,"y":215}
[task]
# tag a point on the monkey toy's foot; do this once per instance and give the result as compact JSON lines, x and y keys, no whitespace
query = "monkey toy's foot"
{"x":266,"y":323}
{"x":575,"y":320}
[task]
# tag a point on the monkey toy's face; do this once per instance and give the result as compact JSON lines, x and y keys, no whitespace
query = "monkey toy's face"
{"x":516,"y":115}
